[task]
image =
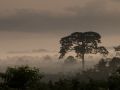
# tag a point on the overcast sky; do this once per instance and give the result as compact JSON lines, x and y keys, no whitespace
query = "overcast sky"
{"x":32,"y":24}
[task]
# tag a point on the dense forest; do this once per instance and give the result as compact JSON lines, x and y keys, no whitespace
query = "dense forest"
{"x":104,"y":76}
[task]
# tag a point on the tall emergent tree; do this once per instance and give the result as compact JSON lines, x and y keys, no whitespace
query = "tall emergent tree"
{"x":82,"y":43}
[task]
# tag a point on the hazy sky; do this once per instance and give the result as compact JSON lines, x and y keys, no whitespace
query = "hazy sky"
{"x":32,"y":24}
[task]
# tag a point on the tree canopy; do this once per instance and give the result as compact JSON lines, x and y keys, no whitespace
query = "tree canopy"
{"x":82,"y":43}
{"x":20,"y":77}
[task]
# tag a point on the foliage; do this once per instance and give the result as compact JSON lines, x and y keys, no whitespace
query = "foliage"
{"x":115,"y":63}
{"x":70,"y":60}
{"x":82,"y":43}
{"x":114,"y":80}
{"x":101,"y":77}
{"x":20,"y":77}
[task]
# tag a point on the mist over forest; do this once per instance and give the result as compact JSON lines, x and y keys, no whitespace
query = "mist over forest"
{"x":59,"y":44}
{"x":47,"y":61}
{"x":81,"y":61}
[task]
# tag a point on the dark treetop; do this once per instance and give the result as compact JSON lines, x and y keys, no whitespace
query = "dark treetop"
{"x":82,"y":43}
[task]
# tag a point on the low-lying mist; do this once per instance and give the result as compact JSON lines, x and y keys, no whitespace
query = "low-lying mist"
{"x":47,"y":64}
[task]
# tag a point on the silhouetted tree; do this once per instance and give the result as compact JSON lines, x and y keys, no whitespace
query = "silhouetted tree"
{"x":102,"y":65}
{"x":117,"y":50}
{"x":114,"y":80}
{"x":82,"y":43}
{"x":20,"y":77}
{"x":70,"y":59}
{"x":114,"y":63}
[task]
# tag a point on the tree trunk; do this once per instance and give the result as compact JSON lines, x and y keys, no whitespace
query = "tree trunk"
{"x":83,"y":61}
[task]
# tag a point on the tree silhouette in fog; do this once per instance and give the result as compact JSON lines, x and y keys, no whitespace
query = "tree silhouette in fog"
{"x":117,"y":50}
{"x":20,"y":77}
{"x":70,"y":60}
{"x":82,"y":43}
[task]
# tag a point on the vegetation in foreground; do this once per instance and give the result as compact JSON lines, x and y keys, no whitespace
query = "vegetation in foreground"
{"x":104,"y":76}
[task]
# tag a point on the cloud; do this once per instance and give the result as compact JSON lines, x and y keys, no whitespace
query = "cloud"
{"x":115,"y":0}
{"x":31,"y":51}
{"x":17,"y":52}
{"x":40,"y":51}
{"x":94,"y":16}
